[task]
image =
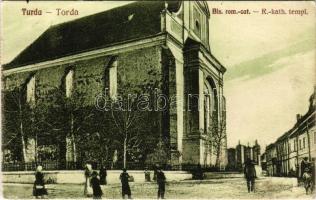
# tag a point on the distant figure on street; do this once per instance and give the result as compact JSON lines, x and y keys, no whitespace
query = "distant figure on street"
{"x":96,"y":187}
{"x":308,"y":181}
{"x":114,"y":159}
{"x":126,"y":190}
{"x":87,"y":185}
{"x":39,"y":190}
{"x":199,"y":173}
{"x":147,"y":175}
{"x":103,"y":175}
{"x":161,"y":181}
{"x":250,"y":175}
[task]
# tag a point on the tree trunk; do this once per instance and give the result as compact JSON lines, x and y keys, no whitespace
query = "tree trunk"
{"x":125,"y":149}
{"x":22,"y":134}
{"x":36,"y":154}
{"x":73,"y":143}
{"x":23,"y":143}
{"x":218,"y":153}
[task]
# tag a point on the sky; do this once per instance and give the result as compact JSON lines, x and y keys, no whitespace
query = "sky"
{"x":270,"y":59}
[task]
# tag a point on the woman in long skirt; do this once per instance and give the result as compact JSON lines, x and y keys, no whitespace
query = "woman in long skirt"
{"x":39,"y":190}
{"x":87,"y":187}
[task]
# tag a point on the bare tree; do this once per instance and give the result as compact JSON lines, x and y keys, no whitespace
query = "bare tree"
{"x":127,"y":120}
{"x":217,"y":132}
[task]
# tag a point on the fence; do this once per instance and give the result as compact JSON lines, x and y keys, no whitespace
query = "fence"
{"x":47,"y":165}
{"x":57,"y":165}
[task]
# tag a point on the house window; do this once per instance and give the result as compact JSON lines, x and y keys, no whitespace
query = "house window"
{"x":69,"y":83}
{"x":303,"y":143}
{"x":113,"y":80}
{"x":30,"y":90}
{"x":314,"y":137}
{"x":300,"y":144}
{"x":290,"y":149}
{"x":295,"y":144}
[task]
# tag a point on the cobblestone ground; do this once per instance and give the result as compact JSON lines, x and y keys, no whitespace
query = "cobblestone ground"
{"x":266,"y":188}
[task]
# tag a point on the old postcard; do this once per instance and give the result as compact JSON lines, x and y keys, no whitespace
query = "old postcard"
{"x":158,"y":99}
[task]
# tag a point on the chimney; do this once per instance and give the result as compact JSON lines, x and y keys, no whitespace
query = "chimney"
{"x":298,"y":117}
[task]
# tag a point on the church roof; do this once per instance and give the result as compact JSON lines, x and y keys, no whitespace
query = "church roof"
{"x":132,"y":21}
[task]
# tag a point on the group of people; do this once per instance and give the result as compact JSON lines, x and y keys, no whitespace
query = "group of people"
{"x":306,"y":175}
{"x":94,"y":180}
{"x":93,"y":183}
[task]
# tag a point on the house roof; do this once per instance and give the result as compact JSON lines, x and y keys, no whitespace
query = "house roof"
{"x":132,"y":21}
{"x":293,"y":131}
{"x":270,"y":146}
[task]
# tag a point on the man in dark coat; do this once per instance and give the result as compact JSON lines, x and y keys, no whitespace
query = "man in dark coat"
{"x":103,"y":174}
{"x":161,"y":181}
{"x":126,"y":190}
{"x":95,"y":184}
{"x":250,"y":175}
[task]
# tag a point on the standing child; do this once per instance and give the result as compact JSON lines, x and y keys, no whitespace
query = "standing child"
{"x":103,"y":174}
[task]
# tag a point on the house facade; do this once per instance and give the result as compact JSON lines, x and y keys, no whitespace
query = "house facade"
{"x":286,"y":156}
{"x":127,"y":47}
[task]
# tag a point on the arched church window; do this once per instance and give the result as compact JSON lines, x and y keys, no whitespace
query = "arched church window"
{"x":197,"y":25}
{"x":30,"y":90}
{"x":69,"y":83}
{"x":210,"y":105}
{"x":197,"y":22}
{"x":112,"y":77}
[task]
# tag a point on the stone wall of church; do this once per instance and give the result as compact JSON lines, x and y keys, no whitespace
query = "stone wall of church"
{"x":135,"y":69}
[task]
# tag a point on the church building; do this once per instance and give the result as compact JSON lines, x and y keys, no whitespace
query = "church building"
{"x":129,"y":45}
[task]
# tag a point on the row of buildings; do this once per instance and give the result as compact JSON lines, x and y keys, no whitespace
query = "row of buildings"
{"x":237,"y":156}
{"x":286,"y":156}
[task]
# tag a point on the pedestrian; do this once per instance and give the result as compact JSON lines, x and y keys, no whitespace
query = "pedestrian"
{"x":250,"y":175}
{"x":39,"y":190}
{"x":103,"y":175}
{"x":96,"y":187}
{"x":126,"y":190}
{"x":87,"y":185}
{"x":161,"y":181}
{"x":155,"y":172}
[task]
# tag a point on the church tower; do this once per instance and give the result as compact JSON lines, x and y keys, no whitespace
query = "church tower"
{"x":196,"y":79}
